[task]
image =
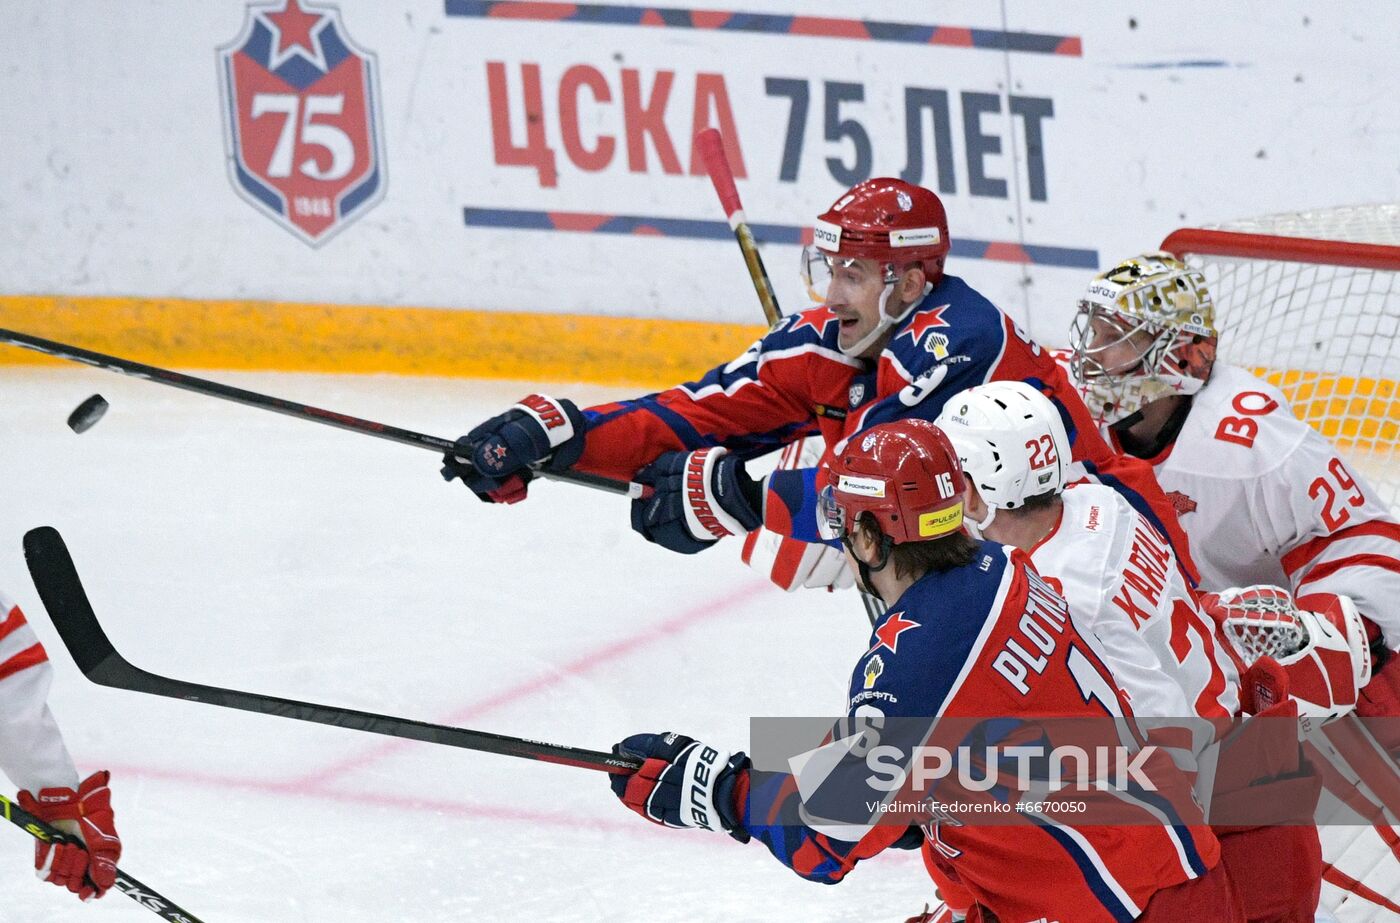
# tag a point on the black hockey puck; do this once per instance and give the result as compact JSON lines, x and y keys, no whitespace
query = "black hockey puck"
{"x":85,"y":416}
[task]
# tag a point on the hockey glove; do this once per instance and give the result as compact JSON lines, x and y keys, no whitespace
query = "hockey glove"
{"x":1381,"y":696}
{"x":697,"y":498}
{"x":1320,"y":642}
{"x":495,"y":459}
{"x":684,"y":783}
{"x":87,"y":814}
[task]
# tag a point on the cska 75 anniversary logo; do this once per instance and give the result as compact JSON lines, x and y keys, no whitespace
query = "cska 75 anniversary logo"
{"x":301,"y":108}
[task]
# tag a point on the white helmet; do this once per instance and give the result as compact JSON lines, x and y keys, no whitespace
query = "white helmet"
{"x":1011,"y":441}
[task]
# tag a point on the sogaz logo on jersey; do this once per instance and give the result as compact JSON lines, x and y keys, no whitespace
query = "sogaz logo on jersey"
{"x":301,"y":118}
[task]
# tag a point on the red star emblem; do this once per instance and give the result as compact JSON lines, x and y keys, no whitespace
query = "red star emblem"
{"x":817,"y":319}
{"x":887,"y":635}
{"x":499,"y":451}
{"x":1181,"y":503}
{"x":924,"y":321}
{"x":294,"y":28}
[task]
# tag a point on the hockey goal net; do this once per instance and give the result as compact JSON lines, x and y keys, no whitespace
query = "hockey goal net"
{"x":1311,"y":302}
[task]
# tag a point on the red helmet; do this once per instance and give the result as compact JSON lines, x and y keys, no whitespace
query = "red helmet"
{"x":889,"y":220}
{"x":905,"y":474}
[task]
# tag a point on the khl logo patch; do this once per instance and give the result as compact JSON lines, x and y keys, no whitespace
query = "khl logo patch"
{"x":301,"y":114}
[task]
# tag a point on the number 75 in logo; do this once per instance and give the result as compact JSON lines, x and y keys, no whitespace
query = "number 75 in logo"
{"x":301,"y":119}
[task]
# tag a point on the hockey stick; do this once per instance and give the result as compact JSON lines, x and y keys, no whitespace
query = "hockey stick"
{"x":162,"y":906}
{"x":274,"y":404}
{"x":59,"y":586}
{"x":711,"y":146}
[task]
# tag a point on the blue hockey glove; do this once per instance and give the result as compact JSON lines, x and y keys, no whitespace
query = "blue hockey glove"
{"x":495,"y":458}
{"x":684,"y":783}
{"x":698,"y":498}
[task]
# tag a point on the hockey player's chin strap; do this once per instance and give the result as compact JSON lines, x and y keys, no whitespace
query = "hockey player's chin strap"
{"x":885,"y":322}
{"x":975,"y":528}
{"x":886,"y":547}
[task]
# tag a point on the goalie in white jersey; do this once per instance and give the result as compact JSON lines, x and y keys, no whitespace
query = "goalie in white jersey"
{"x":1264,"y":498}
{"x":1123,"y":582}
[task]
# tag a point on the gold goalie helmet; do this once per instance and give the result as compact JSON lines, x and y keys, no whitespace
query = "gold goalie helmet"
{"x":1145,"y":330}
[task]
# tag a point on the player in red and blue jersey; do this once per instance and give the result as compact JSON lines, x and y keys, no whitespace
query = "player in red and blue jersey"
{"x":971,"y":633}
{"x":893,"y":339}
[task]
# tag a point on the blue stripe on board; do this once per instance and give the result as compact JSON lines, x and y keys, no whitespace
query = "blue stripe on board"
{"x":700,"y":229}
{"x":765,"y":23}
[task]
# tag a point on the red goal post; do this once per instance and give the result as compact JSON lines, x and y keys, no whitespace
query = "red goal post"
{"x":1311,"y":302}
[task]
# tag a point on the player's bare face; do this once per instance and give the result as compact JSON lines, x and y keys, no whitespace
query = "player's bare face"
{"x":853,"y":295}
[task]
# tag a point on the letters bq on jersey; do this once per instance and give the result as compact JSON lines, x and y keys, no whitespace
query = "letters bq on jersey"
{"x":301,"y":110}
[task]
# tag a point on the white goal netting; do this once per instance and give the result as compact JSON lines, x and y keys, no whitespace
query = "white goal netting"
{"x":1311,"y":301}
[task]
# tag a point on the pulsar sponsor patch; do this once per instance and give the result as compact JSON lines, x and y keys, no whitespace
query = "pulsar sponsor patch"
{"x":940,"y":522}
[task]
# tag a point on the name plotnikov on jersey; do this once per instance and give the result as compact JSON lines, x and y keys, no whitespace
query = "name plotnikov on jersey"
{"x":1040,"y":626}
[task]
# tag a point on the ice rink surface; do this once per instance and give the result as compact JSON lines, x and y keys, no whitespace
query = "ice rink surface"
{"x":239,"y":548}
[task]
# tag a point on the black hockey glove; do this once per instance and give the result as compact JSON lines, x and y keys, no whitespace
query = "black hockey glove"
{"x":495,"y":458}
{"x":684,"y":783}
{"x":697,"y":498}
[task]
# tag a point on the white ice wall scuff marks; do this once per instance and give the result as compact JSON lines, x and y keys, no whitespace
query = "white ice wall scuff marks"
{"x":1101,"y":131}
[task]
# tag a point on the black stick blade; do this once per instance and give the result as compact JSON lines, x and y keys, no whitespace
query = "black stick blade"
{"x":56,"y":579}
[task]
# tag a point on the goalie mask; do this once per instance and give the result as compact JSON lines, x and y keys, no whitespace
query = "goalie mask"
{"x":1145,"y":330}
{"x":1011,"y":442}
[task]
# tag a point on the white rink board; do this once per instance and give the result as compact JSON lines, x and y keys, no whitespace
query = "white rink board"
{"x":1194,"y":112}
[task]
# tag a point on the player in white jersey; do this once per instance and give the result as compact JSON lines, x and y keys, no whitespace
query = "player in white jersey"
{"x":1263,"y":497}
{"x":1118,"y":574}
{"x":1121,"y":578}
{"x":33,"y":755}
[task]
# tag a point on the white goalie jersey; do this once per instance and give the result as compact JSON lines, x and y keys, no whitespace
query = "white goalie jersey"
{"x":32,"y":752}
{"x":1121,"y":577}
{"x":1266,"y":499}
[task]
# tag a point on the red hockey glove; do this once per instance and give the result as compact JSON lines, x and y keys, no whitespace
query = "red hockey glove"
{"x":1381,"y":696}
{"x":87,"y":873}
